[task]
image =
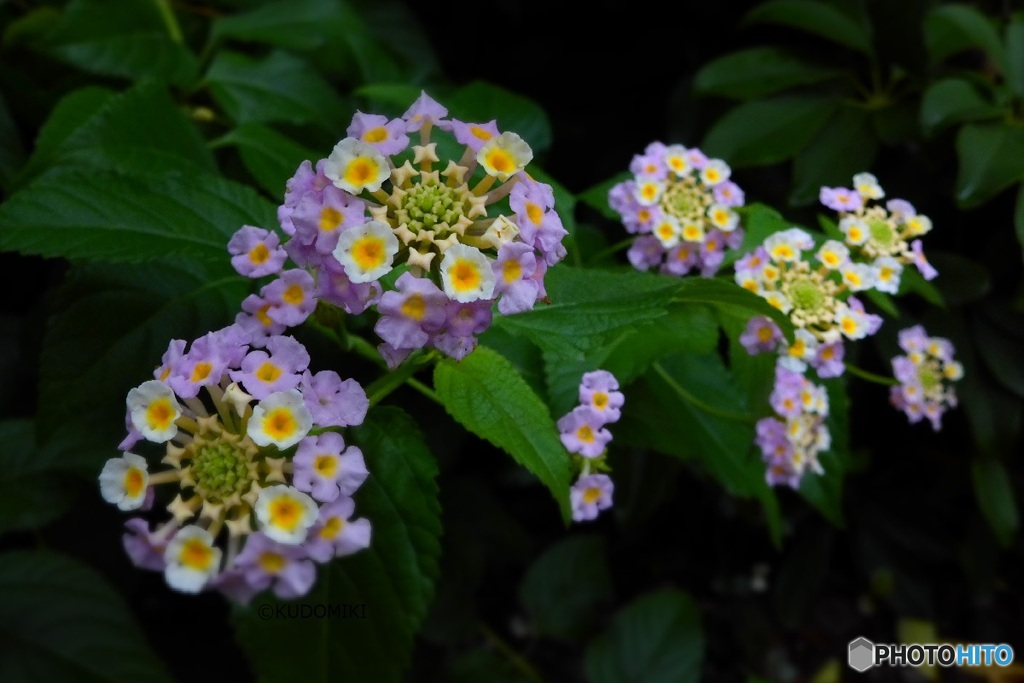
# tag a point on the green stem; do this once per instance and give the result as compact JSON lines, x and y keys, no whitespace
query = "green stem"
{"x":514,"y":658}
{"x":706,"y":407}
{"x":872,"y":377}
{"x":170,"y":21}
{"x":615,"y":248}
{"x":380,"y":388}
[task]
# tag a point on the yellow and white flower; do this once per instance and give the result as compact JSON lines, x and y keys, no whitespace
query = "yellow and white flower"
{"x":192,"y":559}
{"x":887,"y":272}
{"x":124,"y":480}
{"x":281,"y":419}
{"x":715,"y":172}
{"x":667,"y":230}
{"x":355,"y":166}
{"x":285,"y":514}
{"x":466,"y":274}
{"x":723,"y":218}
{"x":833,"y":254}
{"x":154,"y":410}
{"x":867,"y":186}
{"x":504,"y":156}
{"x":367,"y":251}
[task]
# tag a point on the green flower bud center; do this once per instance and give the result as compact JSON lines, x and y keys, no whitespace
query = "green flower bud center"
{"x":882,"y":232}
{"x":806,"y":295}
{"x":686,"y":201}
{"x":220,"y":469}
{"x":928,"y":377}
{"x":425,"y":207}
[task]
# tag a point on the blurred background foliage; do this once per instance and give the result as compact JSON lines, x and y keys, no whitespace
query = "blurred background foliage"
{"x":137,"y":135}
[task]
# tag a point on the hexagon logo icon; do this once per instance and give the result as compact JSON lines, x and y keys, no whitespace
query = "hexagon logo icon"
{"x":862,"y":654}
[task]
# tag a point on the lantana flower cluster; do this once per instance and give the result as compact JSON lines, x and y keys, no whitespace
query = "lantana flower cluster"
{"x":261,"y":478}
{"x":393,"y":219}
{"x":584,"y":433}
{"x":681,"y":205}
{"x":791,"y":441}
{"x":926,"y":375}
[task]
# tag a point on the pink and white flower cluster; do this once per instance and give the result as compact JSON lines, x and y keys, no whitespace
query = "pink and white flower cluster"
{"x":583,"y":432}
{"x":262,"y":477}
{"x":681,"y":205}
{"x":434,"y":244}
{"x":926,"y":374}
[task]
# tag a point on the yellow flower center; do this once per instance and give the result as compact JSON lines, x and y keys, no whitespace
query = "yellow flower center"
{"x":534,"y":213}
{"x":378,"y":134}
{"x":511,"y":271}
{"x":285,"y":513}
{"x":368,"y":252}
{"x":201,"y":371}
{"x":332,"y":528}
{"x":591,"y":494}
{"x":280,"y":424}
{"x":268,"y":372}
{"x":585,"y":434}
{"x":501,"y":161}
{"x":361,"y":171}
{"x":414,"y":307}
{"x":600,"y":400}
{"x":465,"y":276}
{"x":271,"y":562}
{"x":330,"y":219}
{"x":259,"y":254}
{"x":480,"y":133}
{"x":160,"y":414}
{"x":133,"y":482}
{"x":196,"y":555}
{"x":326,"y":465}
{"x":293,"y":295}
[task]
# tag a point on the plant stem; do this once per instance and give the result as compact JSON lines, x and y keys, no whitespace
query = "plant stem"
{"x":871,"y":377}
{"x":706,"y":407}
{"x":514,"y":658}
{"x":170,"y":21}
{"x":379,"y":389}
{"x":617,"y":247}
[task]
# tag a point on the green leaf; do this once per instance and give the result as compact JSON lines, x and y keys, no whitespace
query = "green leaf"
{"x":1015,"y":55}
{"x":656,"y":639}
{"x":960,"y":281}
{"x":118,"y":216}
{"x":12,"y":152}
{"x":480,"y":102}
{"x":756,"y":72}
{"x":769,"y":130}
{"x":394,"y":578}
{"x":999,"y":346}
{"x":110,"y":327}
{"x":597,"y":196}
{"x":32,"y":494}
{"x":123,"y":38}
{"x":884,"y":302}
{"x":488,"y":397}
{"x":301,"y":25}
{"x":994,"y":491}
{"x":730,"y":299}
{"x":955,"y":100}
{"x":951,"y":28}
{"x":565,"y":589}
{"x":139,"y":130}
{"x":270,"y":157}
{"x":913,"y":281}
{"x":817,"y":18}
{"x":703,"y":414}
{"x":589,"y":304}
{"x":398,"y":95}
{"x":61,"y":621}
{"x":991,"y":159}
{"x":844,"y":147}
{"x":280,"y":87}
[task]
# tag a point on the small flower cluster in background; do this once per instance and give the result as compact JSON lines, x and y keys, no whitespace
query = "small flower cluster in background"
{"x":584,"y":433}
{"x":926,"y":375}
{"x":791,"y":441}
{"x":262,"y":479}
{"x":680,"y":204}
{"x":464,"y":233}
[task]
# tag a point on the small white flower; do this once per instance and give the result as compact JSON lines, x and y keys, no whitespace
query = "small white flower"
{"x":280,"y":419}
{"x":723,"y":218}
{"x":466,"y":274}
{"x":285,"y":514}
{"x":504,"y":156}
{"x":124,"y":480}
{"x":833,"y":254}
{"x":192,"y":559}
{"x":354,"y":166}
{"x":887,"y":272}
{"x":154,"y":409}
{"x":867,"y":186}
{"x":367,"y":251}
{"x":714,"y":172}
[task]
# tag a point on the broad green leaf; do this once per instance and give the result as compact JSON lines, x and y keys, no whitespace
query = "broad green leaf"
{"x":991,"y":159}
{"x":657,"y":638}
{"x":755,"y":374}
{"x":993,"y":489}
{"x":140,"y":130}
{"x":488,"y":397}
{"x":756,"y":72}
{"x":61,"y":621}
{"x":955,"y":100}
{"x":394,"y":578}
{"x":844,"y":147}
{"x":960,"y":281}
{"x":480,"y":102}
{"x":703,"y":414}
{"x":270,"y":157}
{"x":111,"y":325}
{"x":597,"y":196}
{"x":729,"y":299}
{"x":818,"y":18}
{"x":116,"y":216}
{"x":395,"y":30}
{"x":952,"y":28}
{"x":769,"y":130}
{"x":280,"y":87}
{"x":12,"y":151}
{"x":32,"y":494}
{"x":565,"y":589}
{"x":588,"y":304}
{"x":1015,"y":55}
{"x":999,"y":346}
{"x":123,"y":38}
{"x":302,"y":25}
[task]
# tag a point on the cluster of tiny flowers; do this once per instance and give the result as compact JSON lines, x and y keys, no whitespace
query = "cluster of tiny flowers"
{"x":583,"y":433}
{"x":815,"y":294}
{"x":263,"y":480}
{"x":681,"y":204}
{"x":791,"y":441}
{"x":461,"y":233}
{"x":878,"y":238}
{"x":926,"y":374}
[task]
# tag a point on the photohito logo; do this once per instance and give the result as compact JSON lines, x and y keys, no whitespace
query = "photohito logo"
{"x":863,"y":654}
